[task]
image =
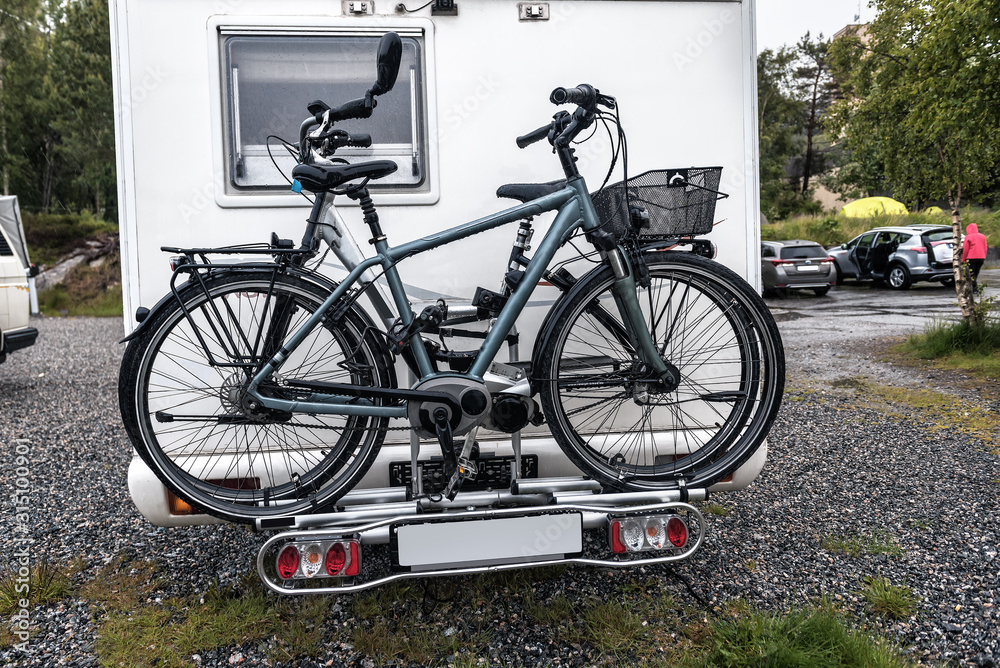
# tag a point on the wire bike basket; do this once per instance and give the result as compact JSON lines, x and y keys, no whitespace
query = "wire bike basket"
{"x":676,"y":202}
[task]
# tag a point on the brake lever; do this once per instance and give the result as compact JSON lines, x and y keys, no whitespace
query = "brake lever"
{"x":606,"y":101}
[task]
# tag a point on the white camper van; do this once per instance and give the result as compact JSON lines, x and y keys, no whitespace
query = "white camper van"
{"x":15,"y":272}
{"x":203,"y":91}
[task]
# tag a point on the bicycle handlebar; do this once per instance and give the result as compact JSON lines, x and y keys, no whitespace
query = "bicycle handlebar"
{"x":583,"y":95}
{"x":535,"y":135}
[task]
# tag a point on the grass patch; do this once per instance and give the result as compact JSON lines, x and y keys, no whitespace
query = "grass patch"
{"x":887,"y":599}
{"x":45,"y":584}
{"x":938,"y":411}
{"x":717,"y":510}
{"x":439,"y":622}
{"x":958,"y":345}
{"x":135,"y":628}
{"x":856,"y":546}
{"x":817,"y":637}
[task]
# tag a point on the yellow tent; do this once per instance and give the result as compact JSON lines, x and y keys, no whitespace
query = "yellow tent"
{"x":871,"y":206}
{"x":934,"y":211}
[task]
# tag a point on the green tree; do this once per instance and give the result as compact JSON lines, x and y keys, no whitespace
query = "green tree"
{"x":780,"y":122}
{"x":20,"y":23}
{"x":818,"y":90}
{"x":84,"y":114}
{"x":924,"y":92}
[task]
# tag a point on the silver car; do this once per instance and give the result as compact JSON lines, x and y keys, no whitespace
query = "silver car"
{"x":796,"y":264}
{"x":899,"y":256}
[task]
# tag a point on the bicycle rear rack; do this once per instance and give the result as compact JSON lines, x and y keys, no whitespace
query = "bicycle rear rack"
{"x":539,"y":522}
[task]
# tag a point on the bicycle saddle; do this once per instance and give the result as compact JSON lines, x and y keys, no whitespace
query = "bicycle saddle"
{"x":525,"y":192}
{"x":321,"y":178}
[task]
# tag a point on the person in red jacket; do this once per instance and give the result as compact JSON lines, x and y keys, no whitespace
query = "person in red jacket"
{"x":974,"y":251}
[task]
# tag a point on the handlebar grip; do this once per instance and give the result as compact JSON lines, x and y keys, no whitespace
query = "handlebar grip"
{"x":361,"y":141}
{"x":354,"y":109}
{"x":583,"y":95}
{"x":535,"y":135}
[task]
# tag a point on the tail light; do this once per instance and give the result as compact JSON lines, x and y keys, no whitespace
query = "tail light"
{"x":922,"y":250}
{"x":828,"y":260}
{"x":288,"y":562}
{"x":177,"y":261}
{"x":646,"y":534}
{"x":778,"y":263}
{"x":324,"y":559}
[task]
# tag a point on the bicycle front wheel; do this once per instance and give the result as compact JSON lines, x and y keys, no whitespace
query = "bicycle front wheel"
{"x":617,"y":423}
{"x":182,"y":392}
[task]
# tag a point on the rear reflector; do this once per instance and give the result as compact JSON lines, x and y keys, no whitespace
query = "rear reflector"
{"x":647,"y":533}
{"x":179,"y":506}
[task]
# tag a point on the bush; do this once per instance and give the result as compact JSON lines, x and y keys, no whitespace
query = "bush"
{"x":830,"y":230}
{"x":51,"y":236}
{"x":942,"y":339}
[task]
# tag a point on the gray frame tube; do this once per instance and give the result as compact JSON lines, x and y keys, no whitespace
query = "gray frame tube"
{"x":569,"y":217}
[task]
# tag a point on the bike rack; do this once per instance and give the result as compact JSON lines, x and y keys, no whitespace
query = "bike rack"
{"x":550,"y":507}
{"x":373,"y":517}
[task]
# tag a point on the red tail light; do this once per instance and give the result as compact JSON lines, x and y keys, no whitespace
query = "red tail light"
{"x":828,"y":260}
{"x":650,"y":533}
{"x":616,"y":542}
{"x":288,"y":562}
{"x":336,"y":557}
{"x":354,"y":567}
{"x":778,"y":263}
{"x":677,"y":532}
{"x":919,"y":249}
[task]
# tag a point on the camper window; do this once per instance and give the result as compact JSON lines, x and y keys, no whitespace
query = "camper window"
{"x":269,"y":80}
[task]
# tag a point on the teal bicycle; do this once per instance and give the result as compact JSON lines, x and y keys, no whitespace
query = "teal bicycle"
{"x":262,"y":389}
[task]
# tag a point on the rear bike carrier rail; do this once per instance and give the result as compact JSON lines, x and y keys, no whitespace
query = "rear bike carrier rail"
{"x":559,"y":511}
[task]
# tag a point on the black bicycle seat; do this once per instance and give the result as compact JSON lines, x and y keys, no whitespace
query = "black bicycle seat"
{"x":321,"y":178}
{"x":525,"y":192}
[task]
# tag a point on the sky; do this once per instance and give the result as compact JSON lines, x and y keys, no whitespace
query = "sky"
{"x":786,"y":21}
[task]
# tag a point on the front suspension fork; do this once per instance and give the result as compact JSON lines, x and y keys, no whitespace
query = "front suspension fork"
{"x":641,"y":339}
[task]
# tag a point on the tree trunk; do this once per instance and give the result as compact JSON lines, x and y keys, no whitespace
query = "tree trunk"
{"x":810,"y":131}
{"x":963,"y":281}
{"x":48,"y":175}
{"x":3,"y":129}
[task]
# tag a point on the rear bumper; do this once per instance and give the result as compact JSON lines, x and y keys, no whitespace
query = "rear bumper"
{"x":938,"y":273}
{"x":18,"y":339}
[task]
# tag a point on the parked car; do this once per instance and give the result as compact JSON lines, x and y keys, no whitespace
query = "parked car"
{"x":15,"y":333}
{"x":796,"y":264}
{"x":899,"y":256}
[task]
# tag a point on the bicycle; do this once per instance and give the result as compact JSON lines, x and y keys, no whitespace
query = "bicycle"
{"x":262,"y":389}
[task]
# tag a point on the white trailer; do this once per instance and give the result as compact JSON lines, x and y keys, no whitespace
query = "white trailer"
{"x":199,"y":87}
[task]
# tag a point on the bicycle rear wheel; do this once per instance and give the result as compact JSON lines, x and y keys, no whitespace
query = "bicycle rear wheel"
{"x":182,"y":394}
{"x":615,"y":422}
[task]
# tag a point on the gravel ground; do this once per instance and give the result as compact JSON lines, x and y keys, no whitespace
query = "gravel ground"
{"x":839,"y":466}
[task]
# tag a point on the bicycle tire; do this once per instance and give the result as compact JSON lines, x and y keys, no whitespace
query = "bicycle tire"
{"x":185,"y":412}
{"x":706,"y":321}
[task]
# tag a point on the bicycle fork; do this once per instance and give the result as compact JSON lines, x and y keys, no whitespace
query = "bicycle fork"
{"x":624,"y":291}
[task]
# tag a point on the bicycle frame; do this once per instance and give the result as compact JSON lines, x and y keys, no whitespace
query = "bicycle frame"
{"x":575,"y":210}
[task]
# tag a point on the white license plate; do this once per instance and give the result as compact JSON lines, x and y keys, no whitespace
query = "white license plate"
{"x":488,"y":542}
{"x":808,"y":267}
